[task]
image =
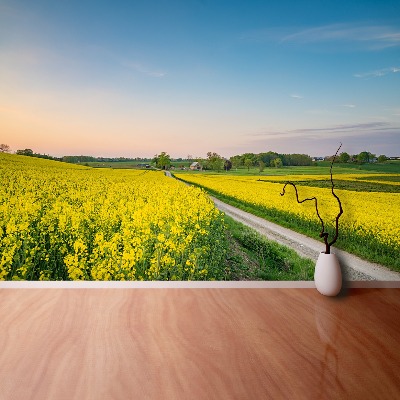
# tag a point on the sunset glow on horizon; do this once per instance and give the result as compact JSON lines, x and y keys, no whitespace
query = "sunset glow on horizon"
{"x":132,"y":79}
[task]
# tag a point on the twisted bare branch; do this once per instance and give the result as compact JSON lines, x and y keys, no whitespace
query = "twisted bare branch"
{"x":322,"y":234}
{"x":337,"y":198}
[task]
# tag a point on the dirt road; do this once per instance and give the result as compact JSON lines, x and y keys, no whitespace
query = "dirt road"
{"x":353,"y":267}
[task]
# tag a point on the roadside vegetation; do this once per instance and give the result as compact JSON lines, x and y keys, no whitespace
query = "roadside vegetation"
{"x":251,"y":256}
{"x":62,"y":221}
{"x":370,"y":227}
{"x":319,"y":168}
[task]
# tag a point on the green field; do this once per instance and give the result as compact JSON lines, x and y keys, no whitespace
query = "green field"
{"x":387,"y":167}
{"x":322,"y":168}
{"x":61,"y":221}
{"x":358,"y":184}
{"x":368,"y":246}
{"x":244,"y":257}
{"x":131,"y":164}
{"x":250,"y":256}
{"x":253,"y":257}
{"x":116,"y":164}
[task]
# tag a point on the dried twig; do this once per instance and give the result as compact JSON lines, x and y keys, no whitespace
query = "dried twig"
{"x":322,"y":234}
{"x":340,"y":205}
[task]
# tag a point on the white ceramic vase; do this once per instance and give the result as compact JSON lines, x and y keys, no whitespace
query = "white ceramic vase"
{"x":328,"y":275}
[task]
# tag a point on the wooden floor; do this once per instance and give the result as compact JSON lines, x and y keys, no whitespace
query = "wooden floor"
{"x":199,"y":344}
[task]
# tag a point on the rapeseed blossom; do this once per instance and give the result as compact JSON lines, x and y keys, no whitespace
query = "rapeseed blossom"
{"x":66,"y":222}
{"x":369,"y":214}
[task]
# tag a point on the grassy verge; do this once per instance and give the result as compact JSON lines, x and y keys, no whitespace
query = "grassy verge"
{"x":366,"y":247}
{"x":387,"y":167}
{"x":253,"y":257}
{"x":319,"y":168}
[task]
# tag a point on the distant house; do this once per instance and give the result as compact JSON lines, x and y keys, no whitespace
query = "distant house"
{"x":195,"y":166}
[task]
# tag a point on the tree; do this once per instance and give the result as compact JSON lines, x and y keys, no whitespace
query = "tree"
{"x":236,"y":161}
{"x":227,"y":165}
{"x":214,"y":161}
{"x":278,"y":163}
{"x":25,"y":152}
{"x":83,"y":159}
{"x":4,"y":148}
{"x":365,"y":157}
{"x":261,"y":166}
{"x":344,"y":157}
{"x":268,"y":157}
{"x":253,"y":157}
{"x":162,"y":161}
{"x":382,"y":158}
{"x":295,"y":159}
{"x":248,"y":162}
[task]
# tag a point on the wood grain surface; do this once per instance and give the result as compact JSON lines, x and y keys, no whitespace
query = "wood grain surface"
{"x":199,"y":344}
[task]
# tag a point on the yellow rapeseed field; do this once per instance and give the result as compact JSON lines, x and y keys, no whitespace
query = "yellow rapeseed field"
{"x":65,"y":222}
{"x":367,"y":214}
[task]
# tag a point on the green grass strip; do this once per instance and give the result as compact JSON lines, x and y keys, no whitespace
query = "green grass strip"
{"x":253,"y":257}
{"x":364,"y":246}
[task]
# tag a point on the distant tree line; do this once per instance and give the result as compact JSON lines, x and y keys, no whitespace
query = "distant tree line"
{"x":31,"y":153}
{"x":270,"y":159}
{"x":214,"y":161}
{"x":69,"y":159}
{"x":364,"y":157}
{"x":85,"y":159}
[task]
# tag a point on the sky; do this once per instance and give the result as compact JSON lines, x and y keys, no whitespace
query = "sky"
{"x":135,"y":78}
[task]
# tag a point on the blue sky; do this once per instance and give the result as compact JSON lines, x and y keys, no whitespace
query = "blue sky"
{"x":134,"y":78}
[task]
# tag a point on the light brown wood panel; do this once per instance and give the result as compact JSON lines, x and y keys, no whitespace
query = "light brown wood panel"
{"x":199,"y":344}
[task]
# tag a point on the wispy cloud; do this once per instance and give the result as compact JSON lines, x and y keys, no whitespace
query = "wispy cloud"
{"x":366,"y":36}
{"x":345,"y":127}
{"x":335,"y":130}
{"x":378,"y":73}
{"x":378,"y":142}
{"x":144,"y":70}
{"x":296,"y":96}
{"x":375,"y":36}
{"x":348,"y":105}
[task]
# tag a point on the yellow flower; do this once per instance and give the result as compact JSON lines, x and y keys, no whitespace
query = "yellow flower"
{"x":370,"y":213}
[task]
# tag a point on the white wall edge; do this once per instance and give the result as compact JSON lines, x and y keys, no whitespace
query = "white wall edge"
{"x":186,"y":284}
